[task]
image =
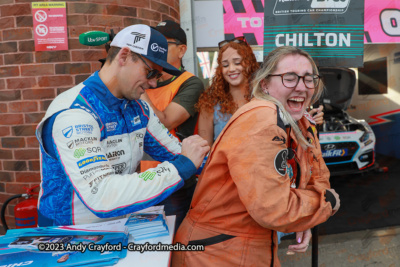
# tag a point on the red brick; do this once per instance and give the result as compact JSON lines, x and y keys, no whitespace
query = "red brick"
{"x":19,"y":165}
{"x":9,"y":71}
{"x":15,"y":10}
{"x":38,"y":93}
{"x":7,"y":23}
{"x":25,"y":106}
{"x":121,"y":11}
{"x":6,"y":177}
{"x":26,"y":46}
{"x":74,"y":44}
{"x":74,"y":20}
{"x":1,"y":59}
{"x":50,"y":81}
{"x":11,"y":119}
{"x":73,"y":68}
{"x":52,"y":56}
{"x":102,"y":20}
{"x":62,"y":90}
{"x":136,"y":3}
{"x":19,"y":58}
{"x":3,"y":108}
{"x":2,"y":84}
{"x":85,"y":8}
{"x":5,"y":154}
{"x":174,"y":13}
{"x":157,"y":6}
{"x":23,"y":130}
{"x":24,"y":21}
{"x":34,"y":165}
{"x":149,"y":14}
{"x":26,"y":154}
{"x":17,"y":34}
{"x":132,"y":21}
{"x":81,"y":78}
{"x":44,"y":104}
{"x":37,"y":70}
{"x":6,"y":2}
{"x":13,"y":142}
{"x":32,"y":142}
{"x":95,"y":66}
{"x":165,"y":17}
{"x":4,"y":130}
{"x":19,"y":83}
{"x":74,"y":32}
{"x":170,"y":3}
{"x":16,"y":188}
{"x":91,"y":55}
{"x":2,"y":188}
{"x":28,"y":177}
{"x":10,"y":95}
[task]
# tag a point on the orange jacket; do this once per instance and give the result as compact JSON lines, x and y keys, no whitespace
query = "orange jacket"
{"x":244,"y":195}
{"x":161,"y":97}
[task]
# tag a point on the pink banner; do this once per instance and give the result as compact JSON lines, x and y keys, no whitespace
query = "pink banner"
{"x":242,"y":19}
{"x":382,"y":21}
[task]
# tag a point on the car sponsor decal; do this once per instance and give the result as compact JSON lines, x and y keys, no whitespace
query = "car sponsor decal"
{"x":334,"y":153}
{"x":67,"y":132}
{"x":87,"y":161}
{"x":280,"y":161}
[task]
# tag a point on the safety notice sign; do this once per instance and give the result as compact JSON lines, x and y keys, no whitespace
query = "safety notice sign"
{"x":50,"y":26}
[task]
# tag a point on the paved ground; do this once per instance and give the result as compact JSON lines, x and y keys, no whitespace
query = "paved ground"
{"x":378,"y":247}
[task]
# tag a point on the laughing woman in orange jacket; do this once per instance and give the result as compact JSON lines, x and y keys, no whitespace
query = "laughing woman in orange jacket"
{"x":265,"y":173}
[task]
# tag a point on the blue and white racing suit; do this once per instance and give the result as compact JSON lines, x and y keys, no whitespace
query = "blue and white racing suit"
{"x":91,"y":144}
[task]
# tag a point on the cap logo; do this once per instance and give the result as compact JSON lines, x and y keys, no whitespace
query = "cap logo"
{"x":138,"y":36}
{"x":154,"y":47}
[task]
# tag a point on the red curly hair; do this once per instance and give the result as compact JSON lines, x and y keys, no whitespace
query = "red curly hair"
{"x":218,"y":92}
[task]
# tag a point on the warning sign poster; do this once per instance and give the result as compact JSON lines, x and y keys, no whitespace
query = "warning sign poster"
{"x":50,"y":26}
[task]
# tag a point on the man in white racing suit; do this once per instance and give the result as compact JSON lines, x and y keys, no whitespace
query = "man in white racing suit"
{"x":93,"y":136}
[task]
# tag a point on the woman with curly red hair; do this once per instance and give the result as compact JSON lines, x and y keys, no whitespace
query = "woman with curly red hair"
{"x":229,"y":89}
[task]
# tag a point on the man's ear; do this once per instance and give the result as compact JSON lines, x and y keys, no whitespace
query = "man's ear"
{"x":123,"y":55}
{"x":182,"y":50}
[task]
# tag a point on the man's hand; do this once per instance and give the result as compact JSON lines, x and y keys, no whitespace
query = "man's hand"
{"x":303,"y":240}
{"x":195,"y":148}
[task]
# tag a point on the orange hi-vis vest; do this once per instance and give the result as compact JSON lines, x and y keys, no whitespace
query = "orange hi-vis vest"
{"x":161,"y":97}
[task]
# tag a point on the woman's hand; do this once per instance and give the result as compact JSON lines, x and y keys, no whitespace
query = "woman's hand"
{"x":303,"y":240}
{"x":317,"y":114}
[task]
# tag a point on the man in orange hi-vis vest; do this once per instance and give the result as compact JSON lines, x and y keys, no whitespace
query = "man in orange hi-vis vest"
{"x":173,"y":102}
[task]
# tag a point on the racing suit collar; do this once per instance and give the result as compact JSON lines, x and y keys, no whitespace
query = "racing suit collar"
{"x":97,"y":86}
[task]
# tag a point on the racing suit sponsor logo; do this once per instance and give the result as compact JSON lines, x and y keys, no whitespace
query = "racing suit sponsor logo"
{"x":70,"y":144}
{"x":87,"y":161}
{"x":113,"y":143}
{"x":280,"y":161}
{"x":162,"y":170}
{"x":111,"y":126}
{"x":85,"y":141}
{"x":93,"y":169}
{"x":119,"y":168}
{"x":67,"y":132}
{"x":115,"y":154}
{"x":87,"y":110}
{"x":147,"y":175}
{"x":80,"y":152}
{"x":136,"y":120}
{"x":96,"y":180}
{"x":84,"y":129}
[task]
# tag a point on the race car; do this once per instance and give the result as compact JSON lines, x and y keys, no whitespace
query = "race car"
{"x":347,"y":144}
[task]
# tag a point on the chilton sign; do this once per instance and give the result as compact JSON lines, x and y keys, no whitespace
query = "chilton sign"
{"x":50,"y":26}
{"x":330,"y":30}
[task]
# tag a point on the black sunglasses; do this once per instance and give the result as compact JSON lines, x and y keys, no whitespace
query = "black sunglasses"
{"x":153,"y":73}
{"x":176,"y":42}
{"x":238,"y":40}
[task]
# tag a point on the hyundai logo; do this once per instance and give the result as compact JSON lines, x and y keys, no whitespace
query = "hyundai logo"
{"x":329,"y":147}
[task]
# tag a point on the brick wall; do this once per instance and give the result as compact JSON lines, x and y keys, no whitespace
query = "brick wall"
{"x":29,"y":80}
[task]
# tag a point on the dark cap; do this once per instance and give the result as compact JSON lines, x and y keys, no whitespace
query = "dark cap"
{"x":171,"y":29}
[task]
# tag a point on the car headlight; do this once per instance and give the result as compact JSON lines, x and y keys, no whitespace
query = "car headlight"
{"x":367,"y":129}
{"x":364,"y":137}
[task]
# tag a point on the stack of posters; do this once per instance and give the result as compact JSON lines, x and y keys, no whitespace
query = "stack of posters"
{"x":97,"y":244}
{"x":147,"y":223}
